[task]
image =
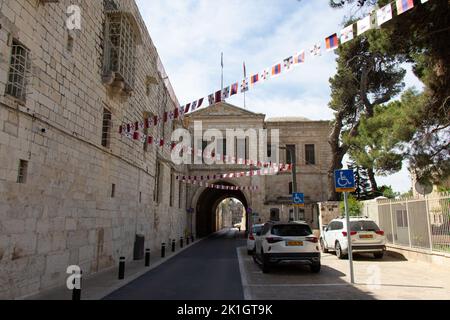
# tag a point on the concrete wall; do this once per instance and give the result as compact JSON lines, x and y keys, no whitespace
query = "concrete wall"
{"x":64,"y":214}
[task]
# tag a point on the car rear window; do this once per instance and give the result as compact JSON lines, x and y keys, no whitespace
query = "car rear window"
{"x":257,"y":229}
{"x":364,"y":226}
{"x":292,"y":230}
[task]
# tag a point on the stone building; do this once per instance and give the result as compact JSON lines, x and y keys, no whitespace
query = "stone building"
{"x":72,"y":190}
{"x":273,"y":199}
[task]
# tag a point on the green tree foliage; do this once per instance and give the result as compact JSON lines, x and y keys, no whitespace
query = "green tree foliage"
{"x":354,"y":206}
{"x":388,"y":192}
{"x":364,"y":80}
{"x":421,"y":37}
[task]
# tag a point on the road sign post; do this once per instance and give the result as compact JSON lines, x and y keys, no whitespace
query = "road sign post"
{"x":345,"y":182}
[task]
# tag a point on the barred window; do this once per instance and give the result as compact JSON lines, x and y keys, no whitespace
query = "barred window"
{"x":106,"y":128}
{"x":23,"y":170}
{"x":18,"y":70}
{"x":121,"y":38}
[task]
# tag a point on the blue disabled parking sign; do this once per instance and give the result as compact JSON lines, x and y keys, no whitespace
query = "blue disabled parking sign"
{"x":298,"y":199}
{"x":344,"y":180}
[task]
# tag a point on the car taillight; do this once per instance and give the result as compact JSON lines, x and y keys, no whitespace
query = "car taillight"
{"x":380,"y":232}
{"x":312,"y":239}
{"x":274,"y":239}
{"x":353,"y":233}
{"x":251,"y":237}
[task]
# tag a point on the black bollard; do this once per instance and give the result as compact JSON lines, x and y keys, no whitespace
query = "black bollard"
{"x":163,"y":250}
{"x":76,"y":293}
{"x":173,"y":245}
{"x":181,"y":242}
{"x":192,"y":238}
{"x":122,"y":268}
{"x":147,"y":257}
{"x":187,"y":240}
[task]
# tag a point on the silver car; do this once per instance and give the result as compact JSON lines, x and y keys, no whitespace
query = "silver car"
{"x":255,"y":232}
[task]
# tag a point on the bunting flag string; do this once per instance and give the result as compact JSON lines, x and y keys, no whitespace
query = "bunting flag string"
{"x":374,"y":19}
{"x":221,"y":186}
{"x":262,"y":172}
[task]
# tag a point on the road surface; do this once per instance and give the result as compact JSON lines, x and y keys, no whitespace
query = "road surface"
{"x":208,"y":270}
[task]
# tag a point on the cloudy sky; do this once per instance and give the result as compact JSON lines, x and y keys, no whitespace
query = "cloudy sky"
{"x":191,"y":34}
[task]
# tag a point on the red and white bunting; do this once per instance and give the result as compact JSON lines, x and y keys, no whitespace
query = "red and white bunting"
{"x":221,"y":186}
{"x":231,"y":175}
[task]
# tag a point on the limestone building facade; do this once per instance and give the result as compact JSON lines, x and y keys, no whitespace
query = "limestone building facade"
{"x":274,"y":198}
{"x":72,"y":190}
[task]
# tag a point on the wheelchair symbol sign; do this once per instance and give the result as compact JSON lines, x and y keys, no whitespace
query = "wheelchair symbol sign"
{"x":298,"y":199}
{"x":344,"y":180}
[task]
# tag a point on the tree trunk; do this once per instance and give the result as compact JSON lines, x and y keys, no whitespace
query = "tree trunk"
{"x":373,"y":181}
{"x":338,"y":152}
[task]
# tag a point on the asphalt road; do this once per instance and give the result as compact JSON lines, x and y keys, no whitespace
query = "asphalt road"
{"x":208,"y":270}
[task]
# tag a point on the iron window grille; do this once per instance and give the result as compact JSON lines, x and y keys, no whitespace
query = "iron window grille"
{"x":106,"y":128}
{"x":23,"y":170}
{"x":121,"y":39}
{"x":18,"y":71}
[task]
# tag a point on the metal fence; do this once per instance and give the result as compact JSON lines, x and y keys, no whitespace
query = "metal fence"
{"x":422,"y":222}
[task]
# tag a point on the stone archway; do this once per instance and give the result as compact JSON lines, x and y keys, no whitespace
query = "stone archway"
{"x":207,"y":204}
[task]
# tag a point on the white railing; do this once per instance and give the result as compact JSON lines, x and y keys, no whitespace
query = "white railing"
{"x":422,"y":223}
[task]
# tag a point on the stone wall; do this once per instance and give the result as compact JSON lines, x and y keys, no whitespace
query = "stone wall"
{"x":65,"y":213}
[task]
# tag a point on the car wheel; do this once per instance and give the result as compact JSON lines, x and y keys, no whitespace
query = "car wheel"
{"x":378,"y":255}
{"x":322,"y":245}
{"x":339,"y":253}
{"x":265,"y":264}
{"x":315,"y":268}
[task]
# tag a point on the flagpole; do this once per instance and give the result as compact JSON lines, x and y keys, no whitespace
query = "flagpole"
{"x":221,"y":85}
{"x":245,"y":76}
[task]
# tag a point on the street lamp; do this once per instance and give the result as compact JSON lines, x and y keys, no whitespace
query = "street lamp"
{"x":291,"y":151}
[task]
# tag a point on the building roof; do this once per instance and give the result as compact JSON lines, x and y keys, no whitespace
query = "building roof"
{"x":287,"y":119}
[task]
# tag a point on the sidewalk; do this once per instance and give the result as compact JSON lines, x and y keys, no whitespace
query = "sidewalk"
{"x":101,"y":284}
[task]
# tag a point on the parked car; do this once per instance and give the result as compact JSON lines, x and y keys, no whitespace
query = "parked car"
{"x":365,"y":234}
{"x":254,"y":233}
{"x":280,"y":242}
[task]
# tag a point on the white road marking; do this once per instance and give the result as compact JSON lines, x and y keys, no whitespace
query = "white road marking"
{"x":244,"y":276}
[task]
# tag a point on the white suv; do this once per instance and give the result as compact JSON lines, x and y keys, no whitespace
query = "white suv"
{"x":365,"y":234}
{"x":279,"y":242}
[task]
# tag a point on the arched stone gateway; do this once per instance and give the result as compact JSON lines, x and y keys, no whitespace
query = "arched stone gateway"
{"x":207,"y":204}
{"x":273,"y":199}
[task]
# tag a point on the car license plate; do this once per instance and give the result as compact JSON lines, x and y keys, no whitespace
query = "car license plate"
{"x":294,"y":243}
{"x":366,"y":236}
